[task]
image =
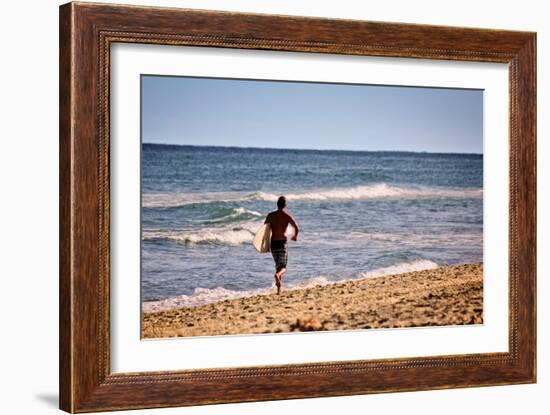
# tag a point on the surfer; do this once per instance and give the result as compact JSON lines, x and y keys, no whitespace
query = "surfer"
{"x":278,"y":221}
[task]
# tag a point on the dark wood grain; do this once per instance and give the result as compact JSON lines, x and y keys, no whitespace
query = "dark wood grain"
{"x":86,"y":33}
{"x":65,"y":246}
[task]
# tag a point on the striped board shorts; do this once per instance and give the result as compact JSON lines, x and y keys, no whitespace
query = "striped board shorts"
{"x":279,"y":250}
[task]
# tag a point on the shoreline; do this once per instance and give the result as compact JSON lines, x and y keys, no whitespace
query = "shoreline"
{"x":434,"y":297}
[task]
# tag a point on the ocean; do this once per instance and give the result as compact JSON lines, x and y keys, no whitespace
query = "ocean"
{"x":361,"y":214}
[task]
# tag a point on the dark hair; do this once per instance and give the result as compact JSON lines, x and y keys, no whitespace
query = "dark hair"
{"x":281,"y":202}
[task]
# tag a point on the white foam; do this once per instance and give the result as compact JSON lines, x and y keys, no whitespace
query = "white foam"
{"x":236,"y":213}
{"x":401,"y":268}
{"x":376,"y":191}
{"x":384,"y":190}
{"x":228,"y":235}
{"x":200,"y":296}
{"x":206,"y":296}
{"x":167,"y":200}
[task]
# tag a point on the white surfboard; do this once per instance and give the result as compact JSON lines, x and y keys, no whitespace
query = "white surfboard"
{"x":262,"y":239}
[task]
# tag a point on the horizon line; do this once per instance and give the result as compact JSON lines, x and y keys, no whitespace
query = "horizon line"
{"x":312,"y":149}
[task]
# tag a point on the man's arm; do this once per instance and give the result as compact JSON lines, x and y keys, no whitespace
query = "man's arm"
{"x":267,"y":218}
{"x":295,"y":225}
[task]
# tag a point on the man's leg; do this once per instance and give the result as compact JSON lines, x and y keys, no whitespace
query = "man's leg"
{"x":278,"y":282}
{"x":282,"y":268}
{"x":280,"y":256}
{"x":278,"y":277}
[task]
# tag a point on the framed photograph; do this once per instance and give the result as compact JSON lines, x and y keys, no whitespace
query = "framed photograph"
{"x":258,"y":207}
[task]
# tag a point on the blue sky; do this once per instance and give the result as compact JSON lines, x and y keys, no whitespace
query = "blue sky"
{"x":278,"y":114}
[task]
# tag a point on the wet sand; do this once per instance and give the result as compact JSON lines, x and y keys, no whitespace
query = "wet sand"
{"x":438,"y":297}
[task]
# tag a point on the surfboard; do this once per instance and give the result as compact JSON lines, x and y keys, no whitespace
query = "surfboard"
{"x":262,"y":239}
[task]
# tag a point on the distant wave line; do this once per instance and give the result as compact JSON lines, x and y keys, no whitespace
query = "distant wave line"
{"x":376,"y":191}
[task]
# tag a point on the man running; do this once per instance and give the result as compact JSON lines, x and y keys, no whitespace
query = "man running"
{"x":279,"y":220}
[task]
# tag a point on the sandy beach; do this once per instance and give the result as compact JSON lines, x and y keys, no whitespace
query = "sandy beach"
{"x":435,"y":297}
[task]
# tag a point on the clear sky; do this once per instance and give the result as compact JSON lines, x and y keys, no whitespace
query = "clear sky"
{"x":278,"y":114}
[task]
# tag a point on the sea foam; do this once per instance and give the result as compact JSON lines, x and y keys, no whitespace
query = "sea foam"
{"x":375,"y":191}
{"x":227,"y":235}
{"x":236,"y":214}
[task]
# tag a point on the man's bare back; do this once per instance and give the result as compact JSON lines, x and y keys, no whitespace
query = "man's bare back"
{"x":279,"y":221}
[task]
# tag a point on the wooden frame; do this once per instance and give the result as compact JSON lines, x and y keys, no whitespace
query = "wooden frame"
{"x":86,"y":33}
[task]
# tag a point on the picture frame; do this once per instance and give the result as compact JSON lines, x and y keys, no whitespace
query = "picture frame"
{"x":87,"y":32}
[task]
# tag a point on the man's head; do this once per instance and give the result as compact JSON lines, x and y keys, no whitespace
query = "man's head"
{"x":281,"y":203}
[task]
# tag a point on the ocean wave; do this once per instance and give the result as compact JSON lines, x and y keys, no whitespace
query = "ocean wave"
{"x":400,"y":268}
{"x":203,"y":296}
{"x":375,"y":191}
{"x":229,"y":235}
{"x":235,"y":214}
{"x":172,"y":200}
{"x":384,"y":190}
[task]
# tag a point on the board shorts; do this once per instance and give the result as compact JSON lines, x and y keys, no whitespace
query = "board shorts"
{"x":279,"y":250}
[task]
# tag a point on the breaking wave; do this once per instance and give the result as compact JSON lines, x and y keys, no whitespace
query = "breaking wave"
{"x":235,"y":214}
{"x":375,"y":191}
{"x":228,"y":235}
{"x":400,"y":268}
